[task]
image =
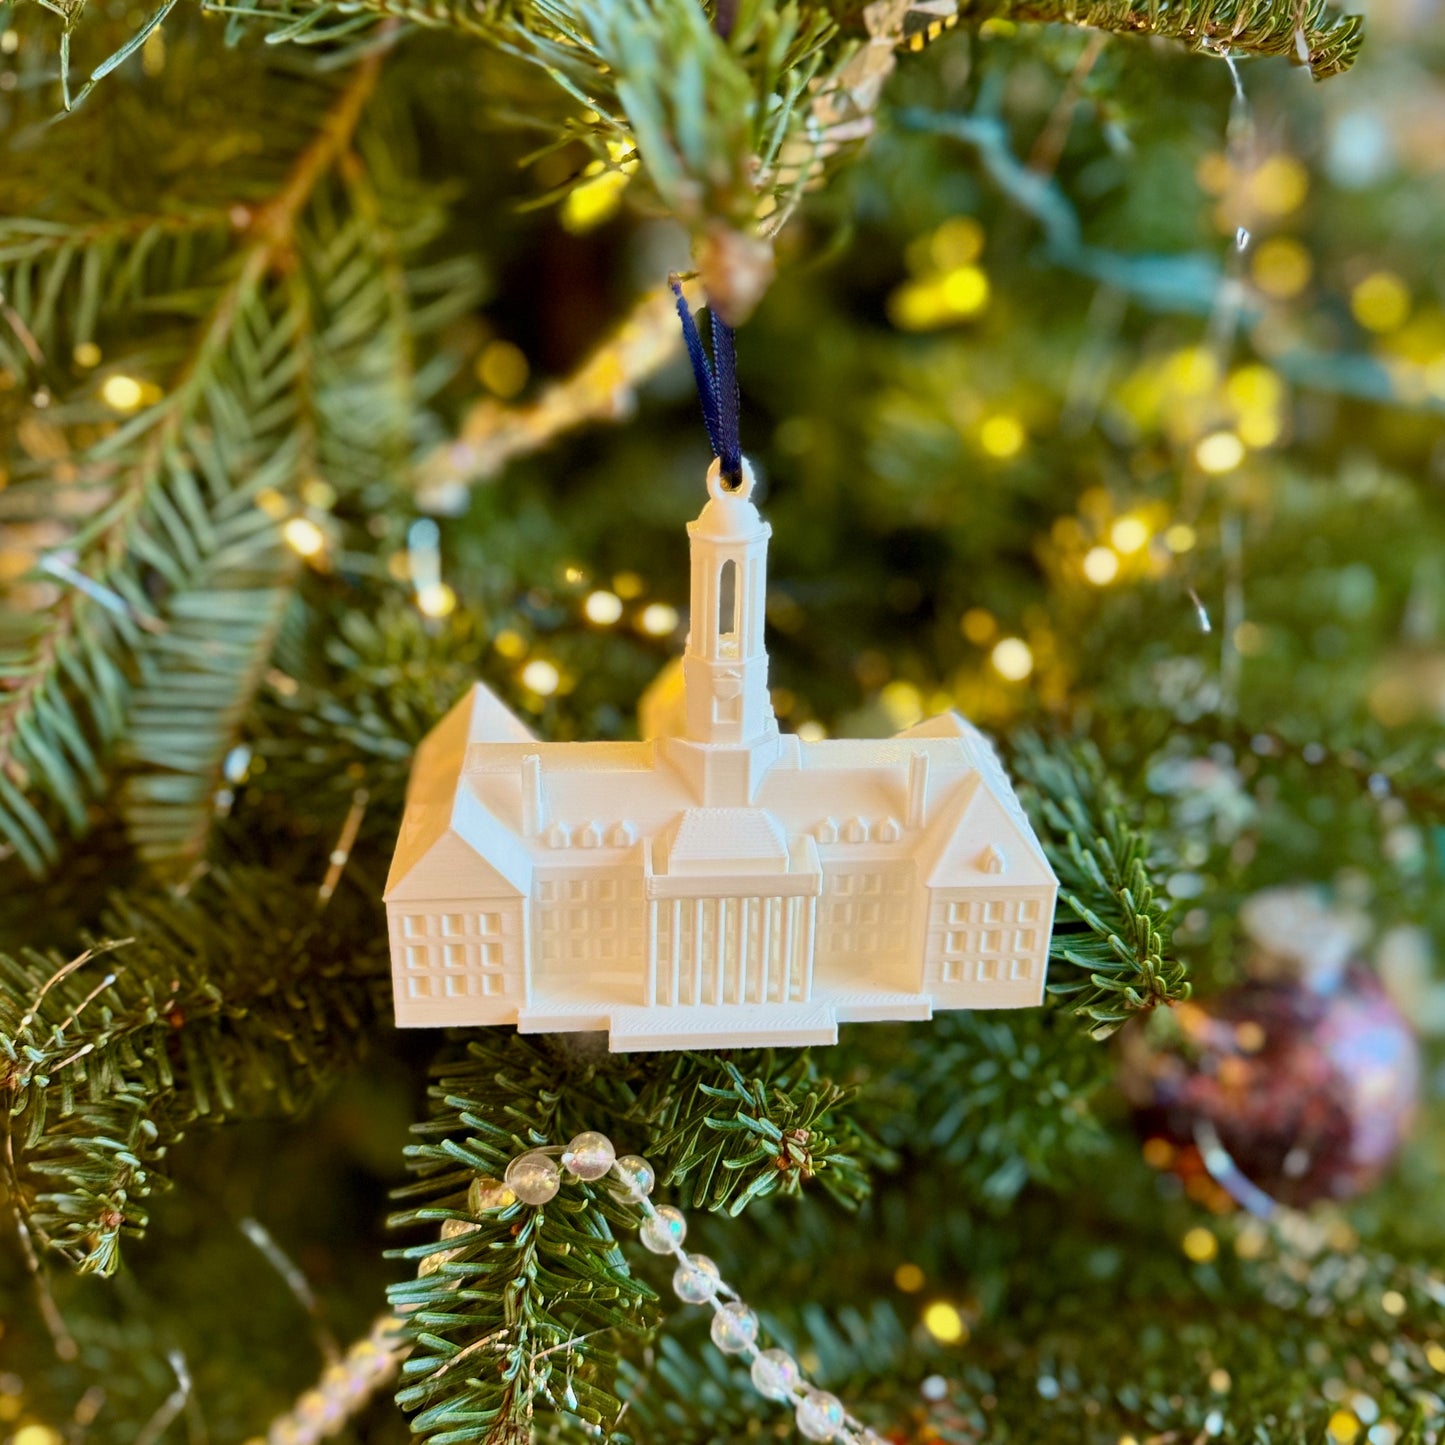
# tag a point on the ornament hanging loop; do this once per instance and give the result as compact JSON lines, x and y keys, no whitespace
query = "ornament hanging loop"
{"x":717,"y":389}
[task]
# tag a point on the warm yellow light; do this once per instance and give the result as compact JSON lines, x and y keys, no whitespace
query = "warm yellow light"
{"x":593,"y":201}
{"x":978,"y":625}
{"x":934,"y":301}
{"x":1393,"y":1302}
{"x":1191,"y":370}
{"x":1381,"y":302}
{"x":270,"y":501}
{"x":1101,"y":565}
{"x":909,"y":1278}
{"x":659,"y":619}
{"x":1344,"y":1426}
{"x":1279,"y":186}
{"x":87,"y":354}
{"x":957,"y":242}
{"x":503,"y":369}
{"x":1012,"y":658}
{"x":1181,"y":537}
{"x":510,"y":644}
{"x":1435,"y":1356}
{"x":1259,"y":428}
{"x":1129,"y":535}
{"x":627,"y":585}
{"x":436,"y":600}
{"x":1254,"y":386}
{"x":1219,"y":452}
{"x":1214,"y":173}
{"x":903,"y":703}
{"x":1281,"y":267}
{"x":1200,"y":1245}
{"x":36,"y":1435}
{"x":965,"y":289}
{"x":1219,"y":1381}
{"x":603,"y":608}
{"x":541,"y":676}
{"x":1002,"y":436}
{"x":304,"y":537}
{"x":944,"y":1323}
{"x":123,"y":393}
{"x":812,"y":731}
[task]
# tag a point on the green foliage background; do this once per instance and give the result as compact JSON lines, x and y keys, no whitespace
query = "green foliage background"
{"x":292,"y":233}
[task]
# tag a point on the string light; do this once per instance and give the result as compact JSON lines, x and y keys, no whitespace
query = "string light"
{"x":1219,"y":452}
{"x":304,"y":537}
{"x":436,"y":600}
{"x":909,"y":1278}
{"x":1012,"y":658}
{"x":503,"y":369}
{"x":944,"y":1323}
{"x":1381,"y":302}
{"x":1002,"y":436}
{"x":603,"y":608}
{"x":122,"y":393}
{"x":659,"y":619}
{"x":1200,"y":1245}
{"x":978,"y":625}
{"x":628,"y":585}
{"x":510,"y":644}
{"x":541,"y":677}
{"x":1282,"y":267}
{"x":1129,"y":535}
{"x":1101,"y":565}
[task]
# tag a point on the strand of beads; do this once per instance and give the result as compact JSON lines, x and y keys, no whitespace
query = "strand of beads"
{"x":343,"y":1390}
{"x":535,"y":1178}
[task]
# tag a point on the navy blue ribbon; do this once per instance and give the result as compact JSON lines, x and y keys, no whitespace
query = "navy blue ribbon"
{"x":717,"y":388}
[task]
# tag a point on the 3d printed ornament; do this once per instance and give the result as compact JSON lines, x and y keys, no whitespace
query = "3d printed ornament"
{"x":720,"y":884}
{"x":1298,"y":1085}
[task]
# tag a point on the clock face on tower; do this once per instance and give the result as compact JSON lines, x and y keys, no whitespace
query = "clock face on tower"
{"x":721,"y":883}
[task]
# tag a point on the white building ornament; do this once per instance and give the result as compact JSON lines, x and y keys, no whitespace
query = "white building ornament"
{"x":721,"y":883}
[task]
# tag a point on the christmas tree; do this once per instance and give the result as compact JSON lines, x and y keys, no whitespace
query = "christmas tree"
{"x":1093,"y":362}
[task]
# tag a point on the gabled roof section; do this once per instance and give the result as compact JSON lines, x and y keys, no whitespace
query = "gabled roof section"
{"x":437,"y":810}
{"x":977,"y":839}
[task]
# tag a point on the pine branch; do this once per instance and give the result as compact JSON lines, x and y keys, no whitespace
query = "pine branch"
{"x":1119,"y":934}
{"x":239,"y":999}
{"x":732,"y":1130}
{"x":522,"y":1311}
{"x":1314,"y":34}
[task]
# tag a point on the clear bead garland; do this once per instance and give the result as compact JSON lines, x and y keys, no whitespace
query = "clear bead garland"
{"x":535,"y":1178}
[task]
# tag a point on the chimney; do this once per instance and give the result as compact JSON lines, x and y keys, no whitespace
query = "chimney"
{"x":918,"y":790}
{"x":534,"y":807}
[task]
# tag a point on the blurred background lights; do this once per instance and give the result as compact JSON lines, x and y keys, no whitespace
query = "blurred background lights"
{"x":957,"y":242}
{"x":1281,"y":267}
{"x":541,"y":676}
{"x":86,"y":354}
{"x":812,"y":731}
{"x":1381,"y":302}
{"x":123,"y":393}
{"x":1129,"y":535}
{"x":909,"y":1278}
{"x":502,"y":369}
{"x":1180,"y":537}
{"x":1012,"y":658}
{"x":436,"y":600}
{"x":510,"y":644}
{"x":659,"y":619}
{"x":1002,"y":436}
{"x":603,"y":608}
{"x":1101,"y":565}
{"x":978,"y":625}
{"x":1219,"y":452}
{"x":594,"y":200}
{"x":304,"y":537}
{"x":944,"y":1323}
